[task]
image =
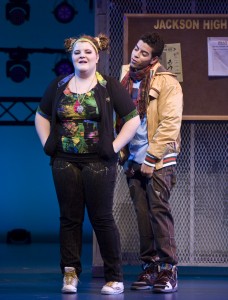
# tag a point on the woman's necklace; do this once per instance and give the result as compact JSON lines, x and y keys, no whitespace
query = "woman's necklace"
{"x":81,"y":97}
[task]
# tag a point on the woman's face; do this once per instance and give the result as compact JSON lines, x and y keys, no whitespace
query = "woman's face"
{"x":84,"y":57}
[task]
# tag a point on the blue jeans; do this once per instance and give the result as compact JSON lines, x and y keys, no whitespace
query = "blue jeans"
{"x":90,"y":185}
{"x":155,"y":222}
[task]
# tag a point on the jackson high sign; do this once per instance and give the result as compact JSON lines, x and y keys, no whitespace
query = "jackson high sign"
{"x":205,"y":24}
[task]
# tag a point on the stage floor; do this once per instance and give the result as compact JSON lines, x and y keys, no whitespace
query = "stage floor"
{"x":32,"y":272}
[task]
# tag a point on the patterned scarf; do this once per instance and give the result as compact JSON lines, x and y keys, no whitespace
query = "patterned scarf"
{"x":143,"y":75}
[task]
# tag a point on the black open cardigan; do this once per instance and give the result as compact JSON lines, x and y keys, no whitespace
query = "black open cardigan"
{"x":111,"y":98}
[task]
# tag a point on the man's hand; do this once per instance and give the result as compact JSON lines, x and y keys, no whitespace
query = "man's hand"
{"x":147,"y":171}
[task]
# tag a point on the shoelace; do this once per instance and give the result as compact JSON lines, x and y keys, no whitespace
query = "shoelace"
{"x":110,"y":283}
{"x":69,"y":276}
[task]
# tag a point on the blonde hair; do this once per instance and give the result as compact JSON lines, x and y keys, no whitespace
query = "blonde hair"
{"x":99,"y":43}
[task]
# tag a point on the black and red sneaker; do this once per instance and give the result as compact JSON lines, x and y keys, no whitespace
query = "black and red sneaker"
{"x":146,"y":278}
{"x":166,"y":281}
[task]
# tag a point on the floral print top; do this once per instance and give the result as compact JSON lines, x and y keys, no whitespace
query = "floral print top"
{"x":76,"y":126}
{"x":79,"y":119}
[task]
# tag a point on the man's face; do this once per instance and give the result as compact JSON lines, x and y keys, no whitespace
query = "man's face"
{"x":141,"y":55}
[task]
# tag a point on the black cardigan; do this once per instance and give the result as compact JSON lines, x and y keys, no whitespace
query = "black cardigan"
{"x":113,"y":97}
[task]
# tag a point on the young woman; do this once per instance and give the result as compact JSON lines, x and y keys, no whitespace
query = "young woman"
{"x":75,"y":124}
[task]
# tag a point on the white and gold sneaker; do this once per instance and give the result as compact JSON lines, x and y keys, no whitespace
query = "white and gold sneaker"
{"x":70,"y":280}
{"x":112,"y":288}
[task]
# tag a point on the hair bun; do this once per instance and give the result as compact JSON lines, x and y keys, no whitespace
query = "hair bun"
{"x":103,"y":41}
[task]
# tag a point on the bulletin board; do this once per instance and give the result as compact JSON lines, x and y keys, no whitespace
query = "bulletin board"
{"x":205,"y":97}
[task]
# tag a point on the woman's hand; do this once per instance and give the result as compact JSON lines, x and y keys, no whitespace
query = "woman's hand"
{"x":126,"y":133}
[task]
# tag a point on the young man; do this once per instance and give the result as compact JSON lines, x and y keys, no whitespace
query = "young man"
{"x":150,"y":160}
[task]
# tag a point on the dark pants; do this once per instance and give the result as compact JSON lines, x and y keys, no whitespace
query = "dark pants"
{"x":155,"y":221}
{"x":91,"y":185}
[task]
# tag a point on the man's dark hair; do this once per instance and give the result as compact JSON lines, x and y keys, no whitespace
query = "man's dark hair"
{"x":154,"y":40}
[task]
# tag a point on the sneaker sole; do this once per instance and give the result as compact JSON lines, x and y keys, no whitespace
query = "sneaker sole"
{"x":112,"y":293}
{"x":138,"y":288}
{"x":160,"y":290}
{"x":69,"y":291}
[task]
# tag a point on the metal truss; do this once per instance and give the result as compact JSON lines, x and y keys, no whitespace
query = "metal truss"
{"x":18,"y":110}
